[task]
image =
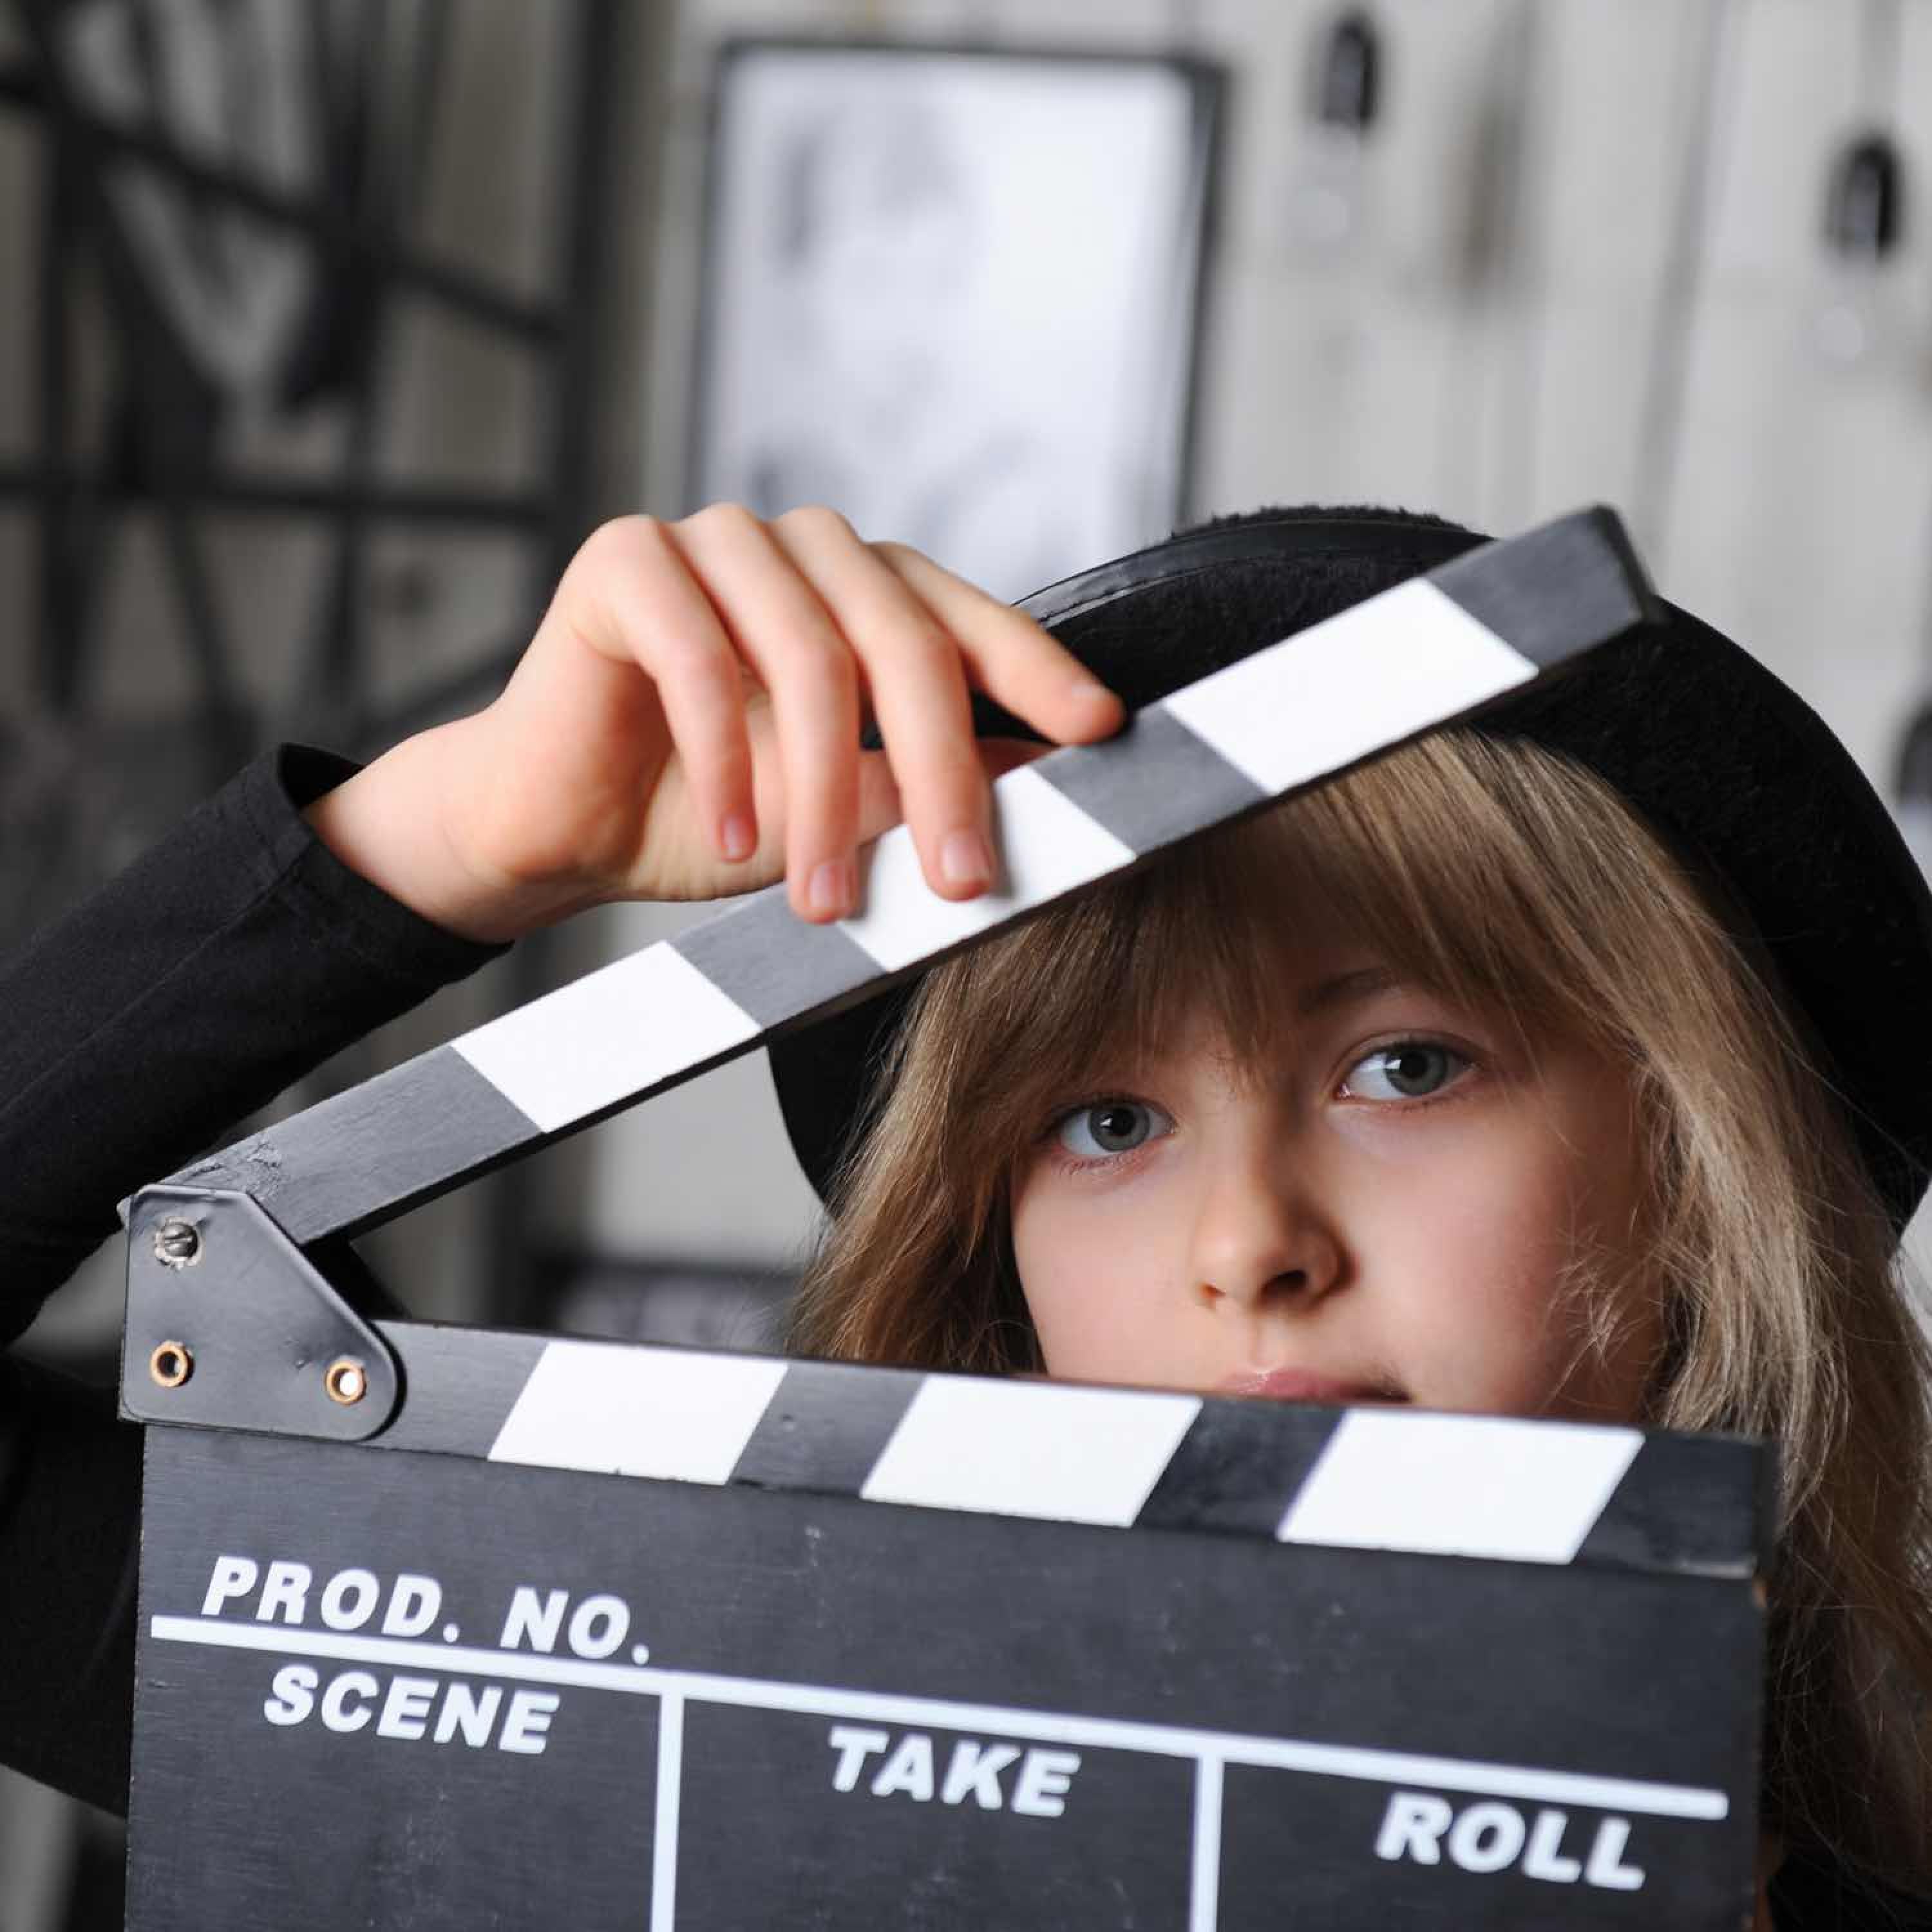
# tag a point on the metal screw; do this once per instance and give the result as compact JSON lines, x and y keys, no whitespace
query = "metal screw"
{"x":346,"y":1380}
{"x":171,"y":1364}
{"x":177,"y":1244}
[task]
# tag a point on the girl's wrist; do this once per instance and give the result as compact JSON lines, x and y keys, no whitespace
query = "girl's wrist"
{"x":398,"y":822}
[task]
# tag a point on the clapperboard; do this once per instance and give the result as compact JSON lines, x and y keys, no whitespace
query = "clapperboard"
{"x":455,"y":1627}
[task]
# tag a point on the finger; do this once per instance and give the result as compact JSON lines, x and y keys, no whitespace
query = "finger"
{"x":917,"y":686}
{"x":782,"y":630}
{"x":1009,"y":656}
{"x":879,"y":807}
{"x":643,"y":609}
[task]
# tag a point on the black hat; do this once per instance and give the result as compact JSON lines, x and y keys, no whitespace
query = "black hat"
{"x":1730,"y":766}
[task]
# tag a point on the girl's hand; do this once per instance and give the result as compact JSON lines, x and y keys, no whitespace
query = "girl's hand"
{"x":686,"y":724}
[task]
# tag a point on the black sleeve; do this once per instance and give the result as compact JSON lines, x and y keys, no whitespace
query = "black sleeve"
{"x":233,"y":958}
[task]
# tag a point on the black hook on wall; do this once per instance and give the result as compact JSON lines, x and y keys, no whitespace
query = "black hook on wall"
{"x":1347,"y":74}
{"x":1865,"y":198}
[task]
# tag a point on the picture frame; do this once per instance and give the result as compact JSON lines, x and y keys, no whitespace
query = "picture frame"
{"x":956,"y":293}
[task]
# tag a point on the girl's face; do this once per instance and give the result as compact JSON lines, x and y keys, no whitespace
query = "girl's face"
{"x":1390,"y":1207}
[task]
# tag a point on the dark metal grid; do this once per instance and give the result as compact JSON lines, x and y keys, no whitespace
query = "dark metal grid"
{"x":77,"y":500}
{"x":158,"y":456}
{"x":352,"y":241}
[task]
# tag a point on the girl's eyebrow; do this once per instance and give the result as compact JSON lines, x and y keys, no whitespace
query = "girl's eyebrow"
{"x":1344,"y":988}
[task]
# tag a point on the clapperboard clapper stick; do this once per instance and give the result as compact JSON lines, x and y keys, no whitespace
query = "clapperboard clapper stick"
{"x":445,"y":1626}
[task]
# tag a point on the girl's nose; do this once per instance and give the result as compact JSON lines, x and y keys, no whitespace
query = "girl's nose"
{"x":1260,"y":1235}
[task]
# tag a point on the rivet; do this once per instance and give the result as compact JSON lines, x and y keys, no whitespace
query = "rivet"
{"x":171,"y":1364}
{"x":346,"y":1380}
{"x":177,"y":1244}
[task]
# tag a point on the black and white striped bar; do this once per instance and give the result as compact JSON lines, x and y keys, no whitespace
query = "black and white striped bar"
{"x":1425,"y":654}
{"x":1367,"y":1478}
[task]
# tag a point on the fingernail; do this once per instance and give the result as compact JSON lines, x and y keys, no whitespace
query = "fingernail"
{"x":1089,"y":691}
{"x":738,"y":837}
{"x":834,"y":888}
{"x":965,"y":859}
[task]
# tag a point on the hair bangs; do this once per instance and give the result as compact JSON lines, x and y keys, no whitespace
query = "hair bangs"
{"x":1408,"y":858}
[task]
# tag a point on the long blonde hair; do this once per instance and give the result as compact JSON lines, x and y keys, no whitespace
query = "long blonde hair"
{"x":1509,"y":876}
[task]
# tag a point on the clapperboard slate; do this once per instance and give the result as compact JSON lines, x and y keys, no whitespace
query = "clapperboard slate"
{"x":457,"y":1627}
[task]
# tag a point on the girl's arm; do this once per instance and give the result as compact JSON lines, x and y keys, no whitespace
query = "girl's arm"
{"x":224,"y":964}
{"x":219,"y":968}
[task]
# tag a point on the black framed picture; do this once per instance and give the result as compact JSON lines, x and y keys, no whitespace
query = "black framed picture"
{"x":956,"y":294}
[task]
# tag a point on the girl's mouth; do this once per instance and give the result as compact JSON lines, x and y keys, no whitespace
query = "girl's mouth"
{"x":1287,"y":1384}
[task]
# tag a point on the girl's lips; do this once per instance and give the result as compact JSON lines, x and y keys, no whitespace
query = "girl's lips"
{"x":1302,"y":1385}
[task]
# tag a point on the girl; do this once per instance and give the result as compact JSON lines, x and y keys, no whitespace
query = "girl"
{"x":1522,"y":1071}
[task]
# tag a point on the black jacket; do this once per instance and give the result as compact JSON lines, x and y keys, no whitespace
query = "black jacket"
{"x":232,"y":959}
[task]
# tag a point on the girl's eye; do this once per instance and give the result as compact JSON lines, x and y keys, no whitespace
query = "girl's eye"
{"x":1111,"y":1127}
{"x":1410,"y":1070}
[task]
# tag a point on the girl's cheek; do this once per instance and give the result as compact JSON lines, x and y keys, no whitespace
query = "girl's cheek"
{"x":1455,"y":1135}
{"x":1087,"y":1243}
{"x":1096,"y":1215}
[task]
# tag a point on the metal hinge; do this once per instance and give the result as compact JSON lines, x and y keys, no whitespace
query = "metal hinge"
{"x":230,"y":1324}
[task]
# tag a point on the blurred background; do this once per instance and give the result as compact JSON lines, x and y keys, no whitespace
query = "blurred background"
{"x":334,"y":325}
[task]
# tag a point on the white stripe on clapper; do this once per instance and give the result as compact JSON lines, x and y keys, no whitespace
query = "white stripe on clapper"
{"x":680,"y":1415}
{"x":1459,"y":1486}
{"x":1350,"y":686}
{"x":664,"y":1836}
{"x":1051,"y":1450}
{"x":601,"y":1038}
{"x":1048,"y":846}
